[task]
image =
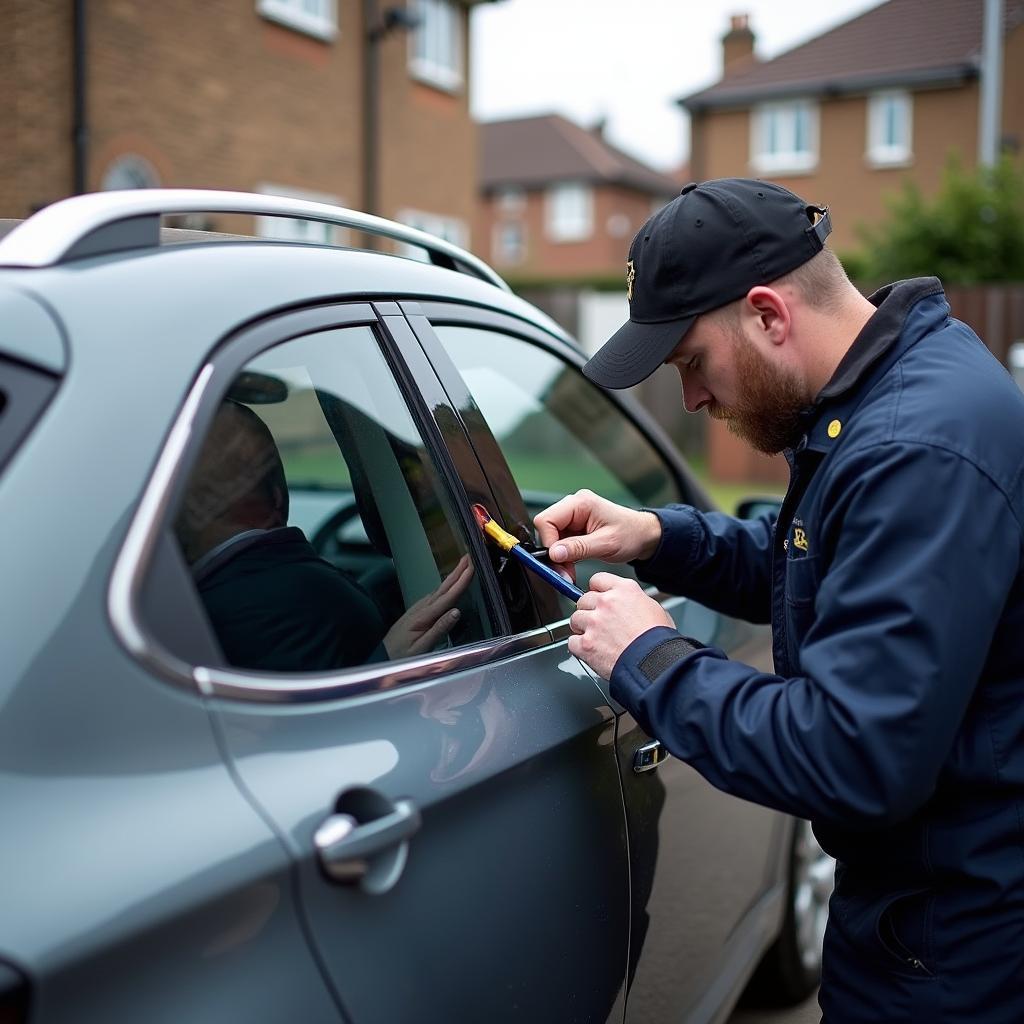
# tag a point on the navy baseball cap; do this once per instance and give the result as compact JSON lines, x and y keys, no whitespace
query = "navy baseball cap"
{"x":708,"y":247}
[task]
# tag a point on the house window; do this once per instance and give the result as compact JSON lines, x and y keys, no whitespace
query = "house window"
{"x":435,"y":45}
{"x":130,"y":171}
{"x":509,"y":243}
{"x":451,"y":229}
{"x":291,"y":229}
{"x":570,"y":212}
{"x":317,"y":18}
{"x":889,"y":128}
{"x":510,"y":200}
{"x":784,"y":137}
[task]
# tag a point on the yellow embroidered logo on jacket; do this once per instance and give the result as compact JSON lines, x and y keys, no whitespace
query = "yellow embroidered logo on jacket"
{"x":799,"y":539}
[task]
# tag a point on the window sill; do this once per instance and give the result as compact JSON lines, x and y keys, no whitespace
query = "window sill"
{"x":556,"y":239}
{"x":442,"y":79}
{"x":877,"y":162}
{"x":318,"y":28}
{"x":782,"y":168}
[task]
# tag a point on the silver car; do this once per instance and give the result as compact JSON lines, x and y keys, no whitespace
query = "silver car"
{"x":282,"y":736}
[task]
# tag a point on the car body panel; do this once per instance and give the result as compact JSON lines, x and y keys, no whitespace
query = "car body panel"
{"x":29,"y":331}
{"x":132,"y":864}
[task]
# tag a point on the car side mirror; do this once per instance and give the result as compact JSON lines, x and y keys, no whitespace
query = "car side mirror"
{"x":751,"y":508}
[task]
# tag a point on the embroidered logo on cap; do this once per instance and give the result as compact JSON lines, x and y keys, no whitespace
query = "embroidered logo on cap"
{"x":630,"y":278}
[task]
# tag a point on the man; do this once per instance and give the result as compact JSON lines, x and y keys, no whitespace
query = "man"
{"x":273,"y":602}
{"x":892,"y":577}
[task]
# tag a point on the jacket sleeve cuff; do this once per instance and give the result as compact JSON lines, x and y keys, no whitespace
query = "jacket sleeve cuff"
{"x":647,"y":657}
{"x":681,"y":534}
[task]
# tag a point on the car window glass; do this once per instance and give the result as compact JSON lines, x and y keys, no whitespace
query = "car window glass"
{"x":314,"y":523}
{"x":558,"y":432}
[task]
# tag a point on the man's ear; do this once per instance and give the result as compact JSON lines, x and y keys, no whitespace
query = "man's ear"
{"x":771,"y":313}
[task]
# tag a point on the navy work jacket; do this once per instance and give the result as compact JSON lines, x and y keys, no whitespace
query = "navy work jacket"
{"x":892,"y":578}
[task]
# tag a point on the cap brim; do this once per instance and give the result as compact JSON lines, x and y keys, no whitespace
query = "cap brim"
{"x":635,"y":351}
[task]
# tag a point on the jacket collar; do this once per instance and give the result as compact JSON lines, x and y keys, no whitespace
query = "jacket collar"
{"x":882,"y":340}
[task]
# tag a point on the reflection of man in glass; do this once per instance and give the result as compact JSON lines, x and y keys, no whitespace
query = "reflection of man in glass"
{"x":274,"y":604}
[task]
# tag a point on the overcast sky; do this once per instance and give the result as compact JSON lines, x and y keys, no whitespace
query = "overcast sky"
{"x":626,"y":60}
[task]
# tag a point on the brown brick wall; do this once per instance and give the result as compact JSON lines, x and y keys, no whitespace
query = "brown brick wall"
{"x":36,"y":110}
{"x":428,"y":140}
{"x":213,"y":95}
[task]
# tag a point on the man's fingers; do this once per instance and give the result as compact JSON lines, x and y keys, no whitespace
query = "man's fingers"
{"x":602,"y":581}
{"x":568,"y":515}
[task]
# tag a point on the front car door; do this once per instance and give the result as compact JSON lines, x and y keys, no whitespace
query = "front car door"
{"x":453,"y":811}
{"x":702,"y":861}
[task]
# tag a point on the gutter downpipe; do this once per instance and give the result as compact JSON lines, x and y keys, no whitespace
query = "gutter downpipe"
{"x":990,"y":111}
{"x":80,"y":127}
{"x":371,"y":108}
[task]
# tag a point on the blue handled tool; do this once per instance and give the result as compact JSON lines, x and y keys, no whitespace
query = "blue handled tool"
{"x":512,"y":546}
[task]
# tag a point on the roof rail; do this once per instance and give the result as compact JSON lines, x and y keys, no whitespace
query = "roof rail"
{"x":105,"y":222}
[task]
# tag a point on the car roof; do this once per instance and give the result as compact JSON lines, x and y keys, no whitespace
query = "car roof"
{"x":101,"y":253}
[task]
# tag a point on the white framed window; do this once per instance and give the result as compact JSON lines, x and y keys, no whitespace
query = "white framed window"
{"x":435,"y":45}
{"x":569,"y":212}
{"x":784,"y":137}
{"x":510,"y":200}
{"x":890,"y":128}
{"x":130,"y":171}
{"x":451,"y":229}
{"x":289,"y":229}
{"x":318,"y":18}
{"x":509,"y":245}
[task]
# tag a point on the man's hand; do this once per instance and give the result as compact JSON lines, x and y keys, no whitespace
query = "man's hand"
{"x":431,"y":617}
{"x":609,"y":617}
{"x":584,"y":525}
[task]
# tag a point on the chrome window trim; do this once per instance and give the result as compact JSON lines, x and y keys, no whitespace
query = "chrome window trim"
{"x":297,"y":689}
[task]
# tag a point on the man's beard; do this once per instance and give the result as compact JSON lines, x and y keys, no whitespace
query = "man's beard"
{"x":767,"y":413}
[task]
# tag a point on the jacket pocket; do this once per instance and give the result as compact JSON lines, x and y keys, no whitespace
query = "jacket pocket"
{"x":802,"y":579}
{"x":903,"y":928}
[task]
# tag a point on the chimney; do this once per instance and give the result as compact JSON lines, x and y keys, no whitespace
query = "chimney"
{"x":737,"y":43}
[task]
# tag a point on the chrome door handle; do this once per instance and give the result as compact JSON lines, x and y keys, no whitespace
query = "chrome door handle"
{"x":372,"y":853}
{"x":649,"y":756}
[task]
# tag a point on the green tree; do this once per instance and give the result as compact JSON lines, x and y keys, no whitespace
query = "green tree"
{"x":971,"y":232}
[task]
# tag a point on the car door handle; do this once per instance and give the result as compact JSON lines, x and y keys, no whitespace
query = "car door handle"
{"x":371,"y":853}
{"x":649,"y":756}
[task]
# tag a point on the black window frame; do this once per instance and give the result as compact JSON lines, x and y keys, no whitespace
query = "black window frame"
{"x":423,"y":314}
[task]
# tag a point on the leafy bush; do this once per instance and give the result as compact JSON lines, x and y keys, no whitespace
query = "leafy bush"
{"x":971,"y":232}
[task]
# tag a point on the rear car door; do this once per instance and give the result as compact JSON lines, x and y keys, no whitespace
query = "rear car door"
{"x":701,"y":861}
{"x":451,"y":799}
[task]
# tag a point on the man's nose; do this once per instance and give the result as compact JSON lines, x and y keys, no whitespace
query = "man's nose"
{"x":695,"y":395}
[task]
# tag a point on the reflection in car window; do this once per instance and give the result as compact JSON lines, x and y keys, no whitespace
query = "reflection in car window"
{"x":314,"y":523}
{"x":558,"y":431}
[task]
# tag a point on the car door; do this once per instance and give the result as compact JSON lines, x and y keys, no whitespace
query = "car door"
{"x":454,"y":811}
{"x":701,"y":860}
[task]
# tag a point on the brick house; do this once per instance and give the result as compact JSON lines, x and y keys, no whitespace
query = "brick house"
{"x":559,"y":202}
{"x":846,"y":116}
{"x":255,"y":95}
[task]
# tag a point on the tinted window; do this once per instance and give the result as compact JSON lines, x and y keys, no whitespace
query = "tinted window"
{"x":24,"y":393}
{"x":558,"y":431}
{"x":314,"y":523}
